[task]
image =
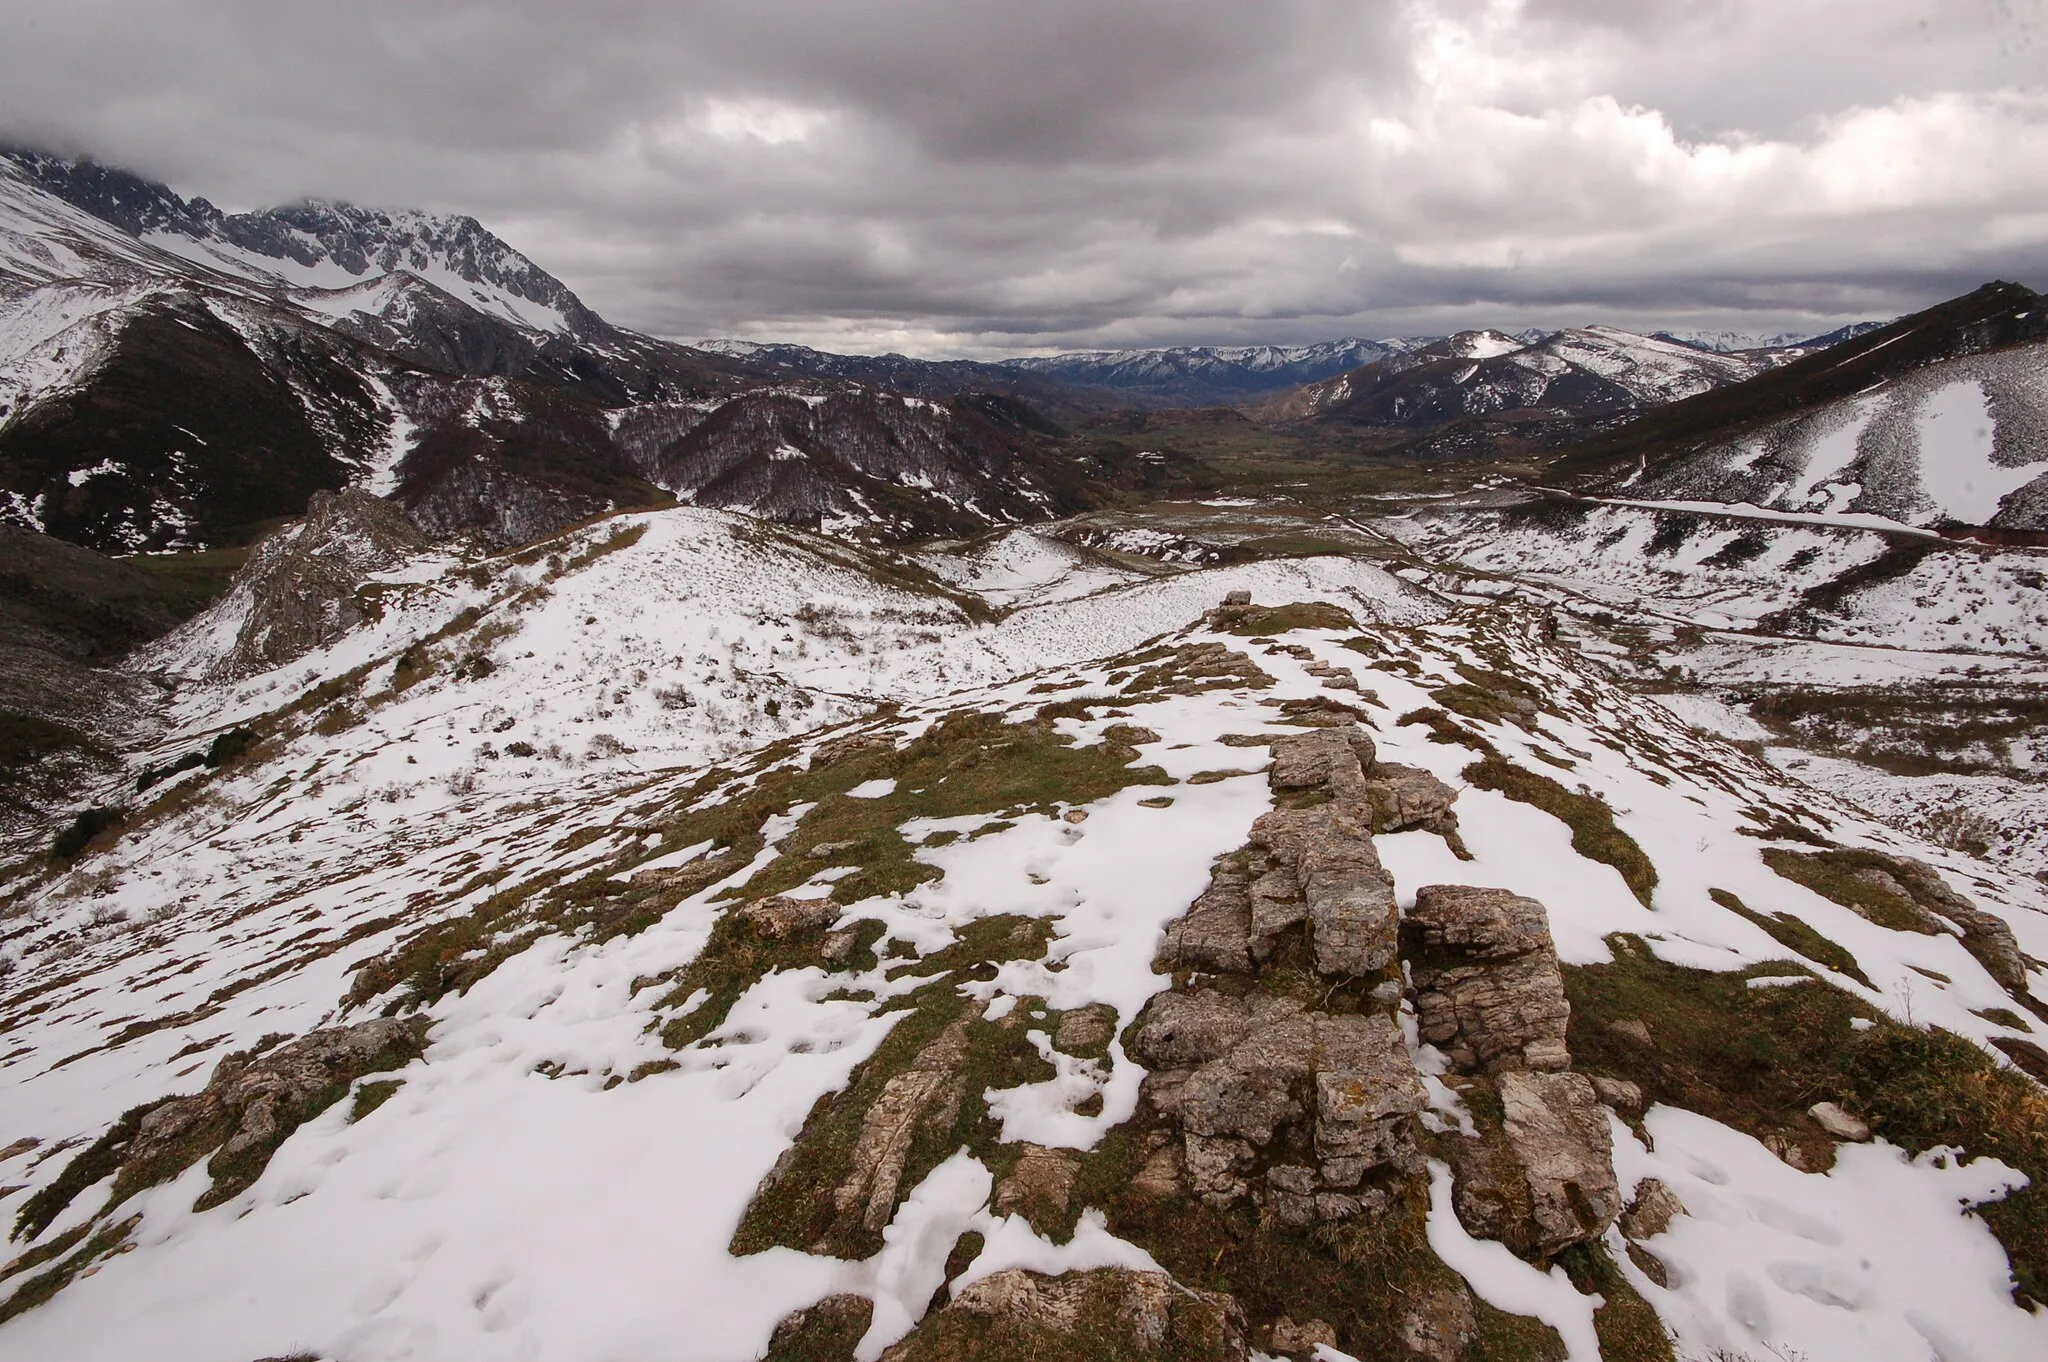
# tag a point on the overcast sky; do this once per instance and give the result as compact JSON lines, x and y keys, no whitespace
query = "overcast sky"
{"x":961,"y":177}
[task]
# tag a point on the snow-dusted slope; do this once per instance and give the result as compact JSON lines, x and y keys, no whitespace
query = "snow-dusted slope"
{"x":550,"y":1178}
{"x":1563,"y":381}
{"x":1958,"y":442}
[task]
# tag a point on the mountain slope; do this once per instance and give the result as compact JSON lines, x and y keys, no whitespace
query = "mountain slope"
{"x":565,"y":1023}
{"x":1994,"y":317}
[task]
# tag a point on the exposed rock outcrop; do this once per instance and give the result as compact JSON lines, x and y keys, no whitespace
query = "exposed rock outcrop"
{"x":1016,"y":1314}
{"x":1313,"y":863}
{"x":1558,"y":1132}
{"x":297,"y":592}
{"x":927,"y":1093}
{"x":1487,"y":988}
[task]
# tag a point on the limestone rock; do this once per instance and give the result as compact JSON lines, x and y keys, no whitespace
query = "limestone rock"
{"x":1437,"y":1327}
{"x":1367,"y":1094}
{"x":1485,"y":978}
{"x":927,"y":1093}
{"x":1235,"y":598}
{"x":1558,"y":1131}
{"x":1215,"y":934}
{"x":1333,"y":757}
{"x":1985,"y":935}
{"x":1301,"y":1339}
{"x":1181,"y":1030}
{"x":1251,"y":1090}
{"x":778,"y":917}
{"x":1632,"y":1031}
{"x":1020,"y":1314}
{"x":1348,"y":896}
{"x":1624,"y":1096}
{"x":1829,"y":1116}
{"x":1406,"y":797}
{"x":1651,"y":1213}
{"x":298,"y":591}
{"x":1085,"y":1028}
{"x":1041,"y":1186}
{"x":255,"y":1092}
{"x":1233,"y":1072}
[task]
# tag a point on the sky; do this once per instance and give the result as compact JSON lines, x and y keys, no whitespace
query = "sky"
{"x":964,"y":178}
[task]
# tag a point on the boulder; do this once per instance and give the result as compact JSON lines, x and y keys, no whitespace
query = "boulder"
{"x":1333,"y":757}
{"x":257,"y":1097}
{"x":1041,"y":1186}
{"x":1624,"y":1096}
{"x":1085,"y":1028}
{"x":1436,"y":1326}
{"x":1651,"y":1213}
{"x":777,"y":917}
{"x":1300,"y":1340}
{"x":1402,"y":797}
{"x":1485,"y":979}
{"x":1830,"y":1116}
{"x":1558,"y":1133}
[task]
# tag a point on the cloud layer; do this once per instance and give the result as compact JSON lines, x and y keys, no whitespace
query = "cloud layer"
{"x":963,"y":177}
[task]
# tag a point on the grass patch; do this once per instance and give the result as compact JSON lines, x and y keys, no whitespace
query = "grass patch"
{"x":1755,"y":1059}
{"x":795,"y":1206}
{"x":1594,"y":834}
{"x":1627,"y":1325}
{"x":371,"y":1096}
{"x":1490,"y":696}
{"x":740,"y":954}
{"x":1861,"y":881}
{"x":1797,"y":936}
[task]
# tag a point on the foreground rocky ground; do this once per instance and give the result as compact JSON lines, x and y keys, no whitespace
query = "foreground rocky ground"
{"x":1331,"y":968}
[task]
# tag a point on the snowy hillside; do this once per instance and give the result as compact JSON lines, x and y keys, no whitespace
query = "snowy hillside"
{"x":1580,"y":369}
{"x":690,"y":927}
{"x":1959,"y":442}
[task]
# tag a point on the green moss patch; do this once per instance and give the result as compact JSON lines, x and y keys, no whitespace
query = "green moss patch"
{"x":795,"y":1206}
{"x":1256,"y":621}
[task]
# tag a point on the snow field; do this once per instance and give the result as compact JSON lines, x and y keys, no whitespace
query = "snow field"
{"x":488,"y":1211}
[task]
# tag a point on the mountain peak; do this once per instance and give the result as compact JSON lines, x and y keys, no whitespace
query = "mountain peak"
{"x":318,"y":243}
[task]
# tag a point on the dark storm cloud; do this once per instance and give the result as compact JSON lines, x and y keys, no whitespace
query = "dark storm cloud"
{"x":943,"y":176}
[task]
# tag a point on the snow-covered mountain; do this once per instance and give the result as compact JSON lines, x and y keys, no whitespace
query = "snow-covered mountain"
{"x":171,"y":376}
{"x":1935,"y":419}
{"x":1482,"y":393}
{"x":1729,"y":342}
{"x":326,"y":248}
